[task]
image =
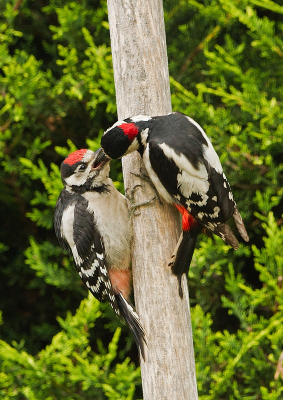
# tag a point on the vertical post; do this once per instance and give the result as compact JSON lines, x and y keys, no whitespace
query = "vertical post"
{"x":142,"y":87}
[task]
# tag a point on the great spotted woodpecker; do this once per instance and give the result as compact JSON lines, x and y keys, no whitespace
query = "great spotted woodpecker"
{"x":92,"y":222}
{"x":186,"y":171}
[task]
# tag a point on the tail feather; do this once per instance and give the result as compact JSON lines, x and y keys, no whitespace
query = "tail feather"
{"x":184,"y":255}
{"x":133,"y":321}
{"x":240,"y":225}
{"x":225,"y":233}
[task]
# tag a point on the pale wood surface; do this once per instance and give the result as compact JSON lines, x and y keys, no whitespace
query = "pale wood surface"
{"x":142,"y":87}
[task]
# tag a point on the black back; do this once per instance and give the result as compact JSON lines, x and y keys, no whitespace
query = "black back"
{"x":176,"y":131}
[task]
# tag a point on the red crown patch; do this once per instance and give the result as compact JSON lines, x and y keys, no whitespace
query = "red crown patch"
{"x":75,"y":157}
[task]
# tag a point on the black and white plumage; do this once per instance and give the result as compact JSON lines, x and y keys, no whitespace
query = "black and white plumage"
{"x":92,"y":222}
{"x":186,"y":171}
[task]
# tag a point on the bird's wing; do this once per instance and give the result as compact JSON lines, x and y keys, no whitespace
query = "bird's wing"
{"x":82,"y":237}
{"x":192,"y":174}
{"x":190,"y":171}
{"x":65,"y":198}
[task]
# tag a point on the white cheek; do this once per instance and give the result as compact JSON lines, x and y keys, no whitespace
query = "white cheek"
{"x":133,"y":146}
{"x":76,"y":180}
{"x":79,"y":178}
{"x":144,"y":136}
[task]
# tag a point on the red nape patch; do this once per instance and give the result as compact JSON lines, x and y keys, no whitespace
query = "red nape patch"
{"x":75,"y":157}
{"x":131,"y":130}
{"x":187,"y":219}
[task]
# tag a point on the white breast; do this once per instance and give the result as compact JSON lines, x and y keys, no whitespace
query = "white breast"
{"x":112,"y":217}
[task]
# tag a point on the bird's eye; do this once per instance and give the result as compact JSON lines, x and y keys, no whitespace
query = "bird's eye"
{"x":82,"y":167}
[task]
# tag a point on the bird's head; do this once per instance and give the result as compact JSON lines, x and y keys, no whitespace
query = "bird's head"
{"x":124,"y":137}
{"x":85,"y":170}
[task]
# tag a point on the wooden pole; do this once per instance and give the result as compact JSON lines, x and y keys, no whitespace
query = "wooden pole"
{"x":142,"y":87}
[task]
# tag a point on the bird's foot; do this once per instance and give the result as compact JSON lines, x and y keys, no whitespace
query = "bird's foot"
{"x":146,"y":178}
{"x":133,"y":205}
{"x":173,"y":257}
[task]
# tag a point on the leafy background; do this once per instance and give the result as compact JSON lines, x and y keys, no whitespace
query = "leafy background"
{"x":57,"y":94}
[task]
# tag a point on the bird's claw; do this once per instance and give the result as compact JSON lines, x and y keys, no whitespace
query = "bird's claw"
{"x":134,"y":205}
{"x":146,"y":178}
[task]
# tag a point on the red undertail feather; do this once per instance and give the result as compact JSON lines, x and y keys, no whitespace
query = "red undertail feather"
{"x":187,"y":219}
{"x":121,"y":280}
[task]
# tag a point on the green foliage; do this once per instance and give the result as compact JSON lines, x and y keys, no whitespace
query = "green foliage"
{"x":243,"y":364}
{"x":236,"y":95}
{"x":68,"y":367}
{"x":57,"y":95}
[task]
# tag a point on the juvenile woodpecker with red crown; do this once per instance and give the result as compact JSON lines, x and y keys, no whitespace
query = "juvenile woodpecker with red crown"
{"x":92,"y":222}
{"x":186,"y":171}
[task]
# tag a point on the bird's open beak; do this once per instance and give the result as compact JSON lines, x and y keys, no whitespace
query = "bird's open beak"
{"x":100,"y":158}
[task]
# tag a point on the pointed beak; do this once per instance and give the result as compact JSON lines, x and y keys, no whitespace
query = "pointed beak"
{"x":100,"y":158}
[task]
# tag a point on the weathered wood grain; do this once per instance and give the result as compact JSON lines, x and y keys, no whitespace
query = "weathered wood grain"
{"x":142,"y":87}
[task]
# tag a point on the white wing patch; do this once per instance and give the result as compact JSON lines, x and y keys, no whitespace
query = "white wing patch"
{"x":209,"y":153}
{"x":95,"y":288}
{"x":90,"y":271}
{"x":155,"y":180}
{"x":103,"y":270}
{"x":215,"y":213}
{"x":210,"y":226}
{"x":191,"y":184}
{"x":67,"y":223}
{"x":190,"y":179}
{"x":183,"y":163}
{"x":67,"y":229}
{"x":77,"y":258}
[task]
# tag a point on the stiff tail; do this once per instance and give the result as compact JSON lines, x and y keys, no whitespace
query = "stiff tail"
{"x":240,"y":225}
{"x":184,"y":255}
{"x":225,"y":233}
{"x":132,"y":319}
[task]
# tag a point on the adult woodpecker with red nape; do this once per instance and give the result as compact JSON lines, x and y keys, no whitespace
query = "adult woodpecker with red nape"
{"x":186,"y":171}
{"x":92,"y":222}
